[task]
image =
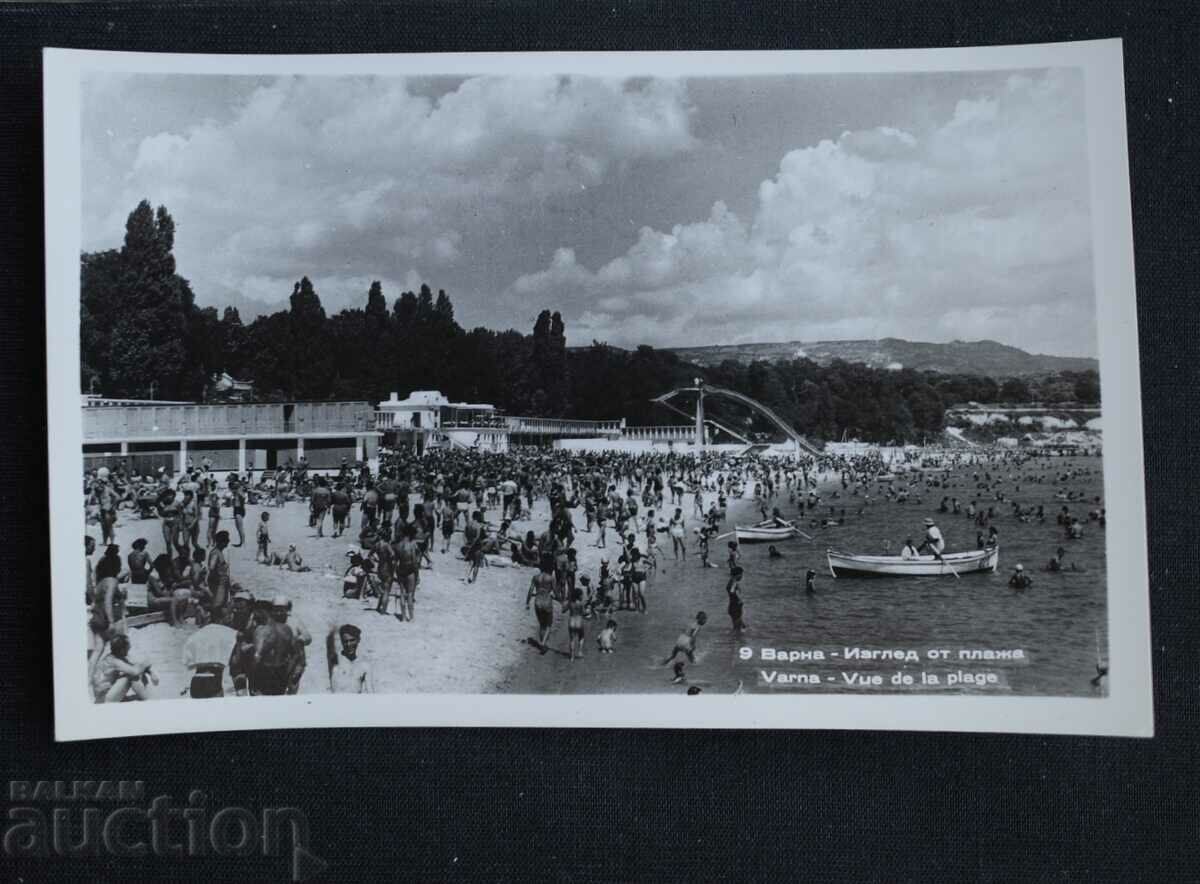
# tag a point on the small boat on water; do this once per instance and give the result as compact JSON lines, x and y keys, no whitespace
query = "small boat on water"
{"x":849,"y":565}
{"x":765,"y":531}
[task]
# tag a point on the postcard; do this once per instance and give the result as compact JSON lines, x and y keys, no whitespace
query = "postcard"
{"x":723,"y":390}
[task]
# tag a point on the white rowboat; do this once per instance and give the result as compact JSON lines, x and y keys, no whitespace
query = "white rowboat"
{"x":764,"y":531}
{"x":849,"y":565}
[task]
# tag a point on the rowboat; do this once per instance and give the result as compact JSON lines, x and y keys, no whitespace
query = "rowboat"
{"x":764,"y":531}
{"x":849,"y":565}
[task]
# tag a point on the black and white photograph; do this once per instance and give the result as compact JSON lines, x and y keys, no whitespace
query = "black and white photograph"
{"x":782,"y":391}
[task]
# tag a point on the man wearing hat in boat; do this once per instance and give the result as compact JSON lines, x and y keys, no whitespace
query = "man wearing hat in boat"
{"x":934,"y":542}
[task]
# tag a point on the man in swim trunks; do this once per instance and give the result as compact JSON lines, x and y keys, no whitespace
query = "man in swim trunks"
{"x":318,"y":504}
{"x":406,"y":561}
{"x":274,"y":648}
{"x":340,"y":505}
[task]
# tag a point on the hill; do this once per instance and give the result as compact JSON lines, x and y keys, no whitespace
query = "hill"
{"x":989,"y":358}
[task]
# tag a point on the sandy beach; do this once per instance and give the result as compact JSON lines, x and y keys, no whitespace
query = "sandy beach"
{"x":462,"y":640}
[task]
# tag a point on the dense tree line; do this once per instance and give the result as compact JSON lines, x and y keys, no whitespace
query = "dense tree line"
{"x":143,"y":336}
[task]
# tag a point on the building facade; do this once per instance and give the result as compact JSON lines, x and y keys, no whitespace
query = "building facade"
{"x":234,"y":436}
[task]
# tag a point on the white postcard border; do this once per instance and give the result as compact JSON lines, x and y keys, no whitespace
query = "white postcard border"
{"x":1126,"y":711}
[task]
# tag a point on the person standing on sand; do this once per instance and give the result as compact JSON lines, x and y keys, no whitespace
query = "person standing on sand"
{"x":541,"y":590}
{"x":190,"y":510}
{"x":676,"y":529}
{"x":384,"y":567}
{"x":274,"y":647}
{"x":218,"y":574}
{"x":206,"y":655}
{"x":239,"y":510}
{"x":575,"y":632}
{"x":214,"y":515}
{"x":339,"y":501}
{"x":170,"y":514}
{"x":318,"y":504}
{"x":406,"y":561}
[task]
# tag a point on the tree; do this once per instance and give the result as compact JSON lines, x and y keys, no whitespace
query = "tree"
{"x":150,"y":346}
{"x":1014,"y":390}
{"x":377,"y":312}
{"x":310,"y":356}
{"x":1087,"y":388}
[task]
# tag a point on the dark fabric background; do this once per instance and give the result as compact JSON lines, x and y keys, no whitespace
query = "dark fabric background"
{"x":646,"y":806}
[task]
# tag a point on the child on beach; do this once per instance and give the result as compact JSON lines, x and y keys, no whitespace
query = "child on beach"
{"x":607,"y":637}
{"x":686,"y":642}
{"x":354,"y":578}
{"x":704,"y":562}
{"x":575,"y":615}
{"x":264,"y":541}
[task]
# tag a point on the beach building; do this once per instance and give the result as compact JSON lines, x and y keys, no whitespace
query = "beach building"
{"x":149,"y":434}
{"x":427,"y":419}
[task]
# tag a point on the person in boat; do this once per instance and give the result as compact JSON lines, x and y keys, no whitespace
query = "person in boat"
{"x":778,"y":521}
{"x":908,"y":551}
{"x":934,"y":542}
{"x":1020,"y":581}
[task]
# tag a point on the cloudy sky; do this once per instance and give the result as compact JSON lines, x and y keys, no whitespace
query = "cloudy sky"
{"x":670,"y":212}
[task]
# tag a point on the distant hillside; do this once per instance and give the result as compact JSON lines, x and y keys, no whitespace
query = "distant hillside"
{"x":968,"y":357}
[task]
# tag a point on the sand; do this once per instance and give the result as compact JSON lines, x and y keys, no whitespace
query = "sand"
{"x":462,"y":640}
{"x":467,"y":638}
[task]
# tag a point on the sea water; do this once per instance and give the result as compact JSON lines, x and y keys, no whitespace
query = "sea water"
{"x":972,"y":626}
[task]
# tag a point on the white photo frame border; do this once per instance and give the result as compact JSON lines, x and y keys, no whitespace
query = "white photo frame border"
{"x":1127,"y":710}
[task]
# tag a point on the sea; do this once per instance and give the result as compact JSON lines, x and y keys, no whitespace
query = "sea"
{"x":972,"y":635}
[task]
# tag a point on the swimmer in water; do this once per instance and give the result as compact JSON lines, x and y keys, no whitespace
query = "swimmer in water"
{"x":679,"y":678}
{"x":773,"y":552}
{"x":686,"y":642}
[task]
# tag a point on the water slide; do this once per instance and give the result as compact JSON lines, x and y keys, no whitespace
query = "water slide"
{"x":801,"y":443}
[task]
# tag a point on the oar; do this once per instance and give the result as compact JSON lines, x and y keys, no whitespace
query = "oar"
{"x":723,"y":536}
{"x":937,"y":555}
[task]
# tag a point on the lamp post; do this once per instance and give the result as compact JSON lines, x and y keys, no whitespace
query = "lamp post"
{"x":699,"y":415}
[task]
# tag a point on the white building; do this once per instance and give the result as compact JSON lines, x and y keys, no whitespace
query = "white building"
{"x":427,"y":419}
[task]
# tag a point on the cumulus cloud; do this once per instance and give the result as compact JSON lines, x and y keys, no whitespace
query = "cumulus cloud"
{"x":974,"y":226}
{"x":340,"y":176}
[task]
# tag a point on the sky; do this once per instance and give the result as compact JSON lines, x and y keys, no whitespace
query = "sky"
{"x":670,"y":212}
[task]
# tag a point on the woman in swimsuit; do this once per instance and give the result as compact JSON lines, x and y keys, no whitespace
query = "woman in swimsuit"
{"x":541,"y":589}
{"x":675,"y":526}
{"x":239,"y":511}
{"x":168,"y":511}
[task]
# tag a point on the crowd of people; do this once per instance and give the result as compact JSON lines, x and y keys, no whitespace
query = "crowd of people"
{"x":636,"y":505}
